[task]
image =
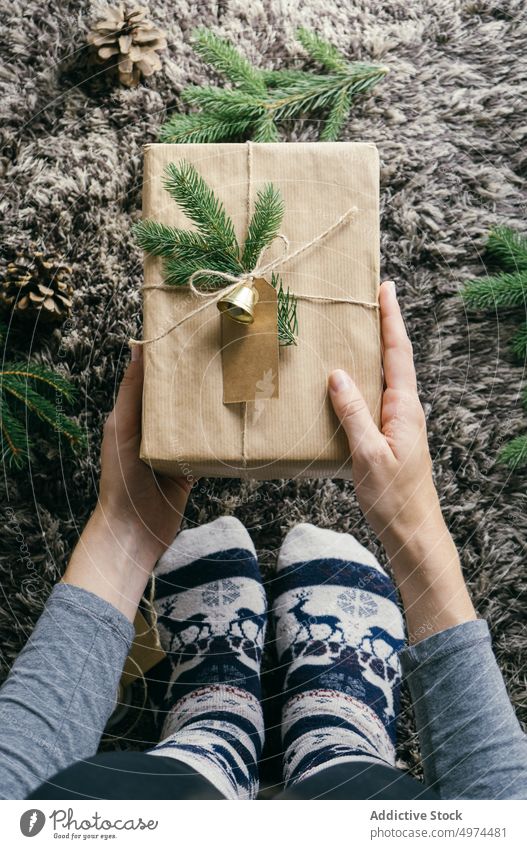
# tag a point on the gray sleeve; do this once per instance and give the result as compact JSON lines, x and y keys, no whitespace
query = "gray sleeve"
{"x":61,"y":690}
{"x":472,"y":745}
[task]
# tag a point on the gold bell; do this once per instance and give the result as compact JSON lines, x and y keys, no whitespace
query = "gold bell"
{"x":239,"y":303}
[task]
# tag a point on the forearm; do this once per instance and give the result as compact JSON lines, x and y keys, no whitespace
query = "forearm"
{"x":61,"y":690}
{"x":472,"y":745}
{"x":113,"y":559}
{"x":427,"y":571}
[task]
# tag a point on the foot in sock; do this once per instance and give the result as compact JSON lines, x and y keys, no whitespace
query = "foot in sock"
{"x":211,"y":611}
{"x":338,"y":634}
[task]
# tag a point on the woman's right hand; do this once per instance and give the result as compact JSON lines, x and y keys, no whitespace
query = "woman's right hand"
{"x":392,"y":473}
{"x":392,"y":470}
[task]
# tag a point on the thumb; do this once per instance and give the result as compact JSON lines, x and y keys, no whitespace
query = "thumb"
{"x":129,"y":398}
{"x":351,"y":408}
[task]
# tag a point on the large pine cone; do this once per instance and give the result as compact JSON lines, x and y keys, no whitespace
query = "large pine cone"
{"x":129,"y":42}
{"x":33,"y":285}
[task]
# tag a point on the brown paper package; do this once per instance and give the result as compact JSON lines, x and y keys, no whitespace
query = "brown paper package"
{"x":187,"y":429}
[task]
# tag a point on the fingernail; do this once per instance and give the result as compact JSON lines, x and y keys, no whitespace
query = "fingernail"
{"x":339,"y":380}
{"x":391,"y":286}
{"x":136,"y":353}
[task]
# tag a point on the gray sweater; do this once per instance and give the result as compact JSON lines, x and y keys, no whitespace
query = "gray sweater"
{"x":62,"y":688}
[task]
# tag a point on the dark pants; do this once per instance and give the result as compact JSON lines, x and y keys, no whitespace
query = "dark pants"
{"x":136,"y":775}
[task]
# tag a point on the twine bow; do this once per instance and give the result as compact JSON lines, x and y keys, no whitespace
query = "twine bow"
{"x":249,"y":277}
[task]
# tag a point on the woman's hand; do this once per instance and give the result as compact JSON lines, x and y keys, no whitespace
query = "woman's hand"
{"x":392,"y":473}
{"x":138,"y":512}
{"x":130,"y":492}
{"x":392,"y":470}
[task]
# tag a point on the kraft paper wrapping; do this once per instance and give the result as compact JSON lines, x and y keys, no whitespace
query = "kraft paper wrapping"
{"x":187,"y":429}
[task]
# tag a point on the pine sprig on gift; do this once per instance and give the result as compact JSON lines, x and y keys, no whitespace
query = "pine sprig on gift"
{"x":260,"y":101}
{"x":188,"y":188}
{"x":213,"y":245}
{"x":504,"y":291}
{"x":30,"y":391}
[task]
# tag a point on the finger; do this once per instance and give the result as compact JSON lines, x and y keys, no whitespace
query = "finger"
{"x":130,"y":396}
{"x":351,"y":408}
{"x":398,"y":362}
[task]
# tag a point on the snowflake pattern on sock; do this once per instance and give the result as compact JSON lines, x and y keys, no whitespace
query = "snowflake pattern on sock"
{"x":339,"y":631}
{"x":211,"y":614}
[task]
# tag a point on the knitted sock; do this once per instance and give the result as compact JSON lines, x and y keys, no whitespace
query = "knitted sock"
{"x":338,"y":634}
{"x":211,"y":616}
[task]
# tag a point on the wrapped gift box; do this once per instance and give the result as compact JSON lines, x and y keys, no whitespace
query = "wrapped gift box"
{"x":187,"y":427}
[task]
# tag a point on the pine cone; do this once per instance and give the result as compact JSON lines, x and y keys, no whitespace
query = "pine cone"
{"x":33,"y":285}
{"x":130,"y":42}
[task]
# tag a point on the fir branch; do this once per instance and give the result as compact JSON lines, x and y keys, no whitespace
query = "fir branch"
{"x":28,"y":385}
{"x":321,"y":51}
{"x":230,"y":104}
{"x":14,"y":439}
{"x":514,"y":453}
{"x":283,"y":77}
{"x":286,"y":306}
{"x":261,"y":100}
{"x":509,"y":248}
{"x":214,"y":246}
{"x":315,"y":93}
{"x":337,"y":117}
{"x":498,"y":292}
{"x":519,"y":343}
{"x":178,"y":270}
{"x":41,"y":407}
{"x":265,"y":130}
{"x":197,"y":128}
{"x":49,"y":380}
{"x":200,"y":204}
{"x":224,"y":57}
{"x":160,"y":240}
{"x":264,"y":225}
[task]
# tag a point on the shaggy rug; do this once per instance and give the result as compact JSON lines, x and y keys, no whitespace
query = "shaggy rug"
{"x":449,"y":126}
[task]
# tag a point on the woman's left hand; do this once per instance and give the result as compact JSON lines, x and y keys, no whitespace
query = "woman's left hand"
{"x":138,"y":512}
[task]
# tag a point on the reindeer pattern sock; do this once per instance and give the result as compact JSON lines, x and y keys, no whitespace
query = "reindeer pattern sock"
{"x":211,"y":611}
{"x":339,"y":631}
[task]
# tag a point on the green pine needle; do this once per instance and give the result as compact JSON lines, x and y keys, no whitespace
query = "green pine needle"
{"x":504,"y":291}
{"x":200,"y":204}
{"x":514,"y":453}
{"x":14,"y":438}
{"x":31,"y":387}
{"x":228,"y":103}
{"x":500,"y":291}
{"x":519,"y":343}
{"x":178,"y":270}
{"x":264,"y":225}
{"x":224,"y":57}
{"x":265,"y":130}
{"x":286,"y":313}
{"x":337,"y":117}
{"x":321,"y":51}
{"x":509,"y":248}
{"x":159,"y":240}
{"x":198,"y":128}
